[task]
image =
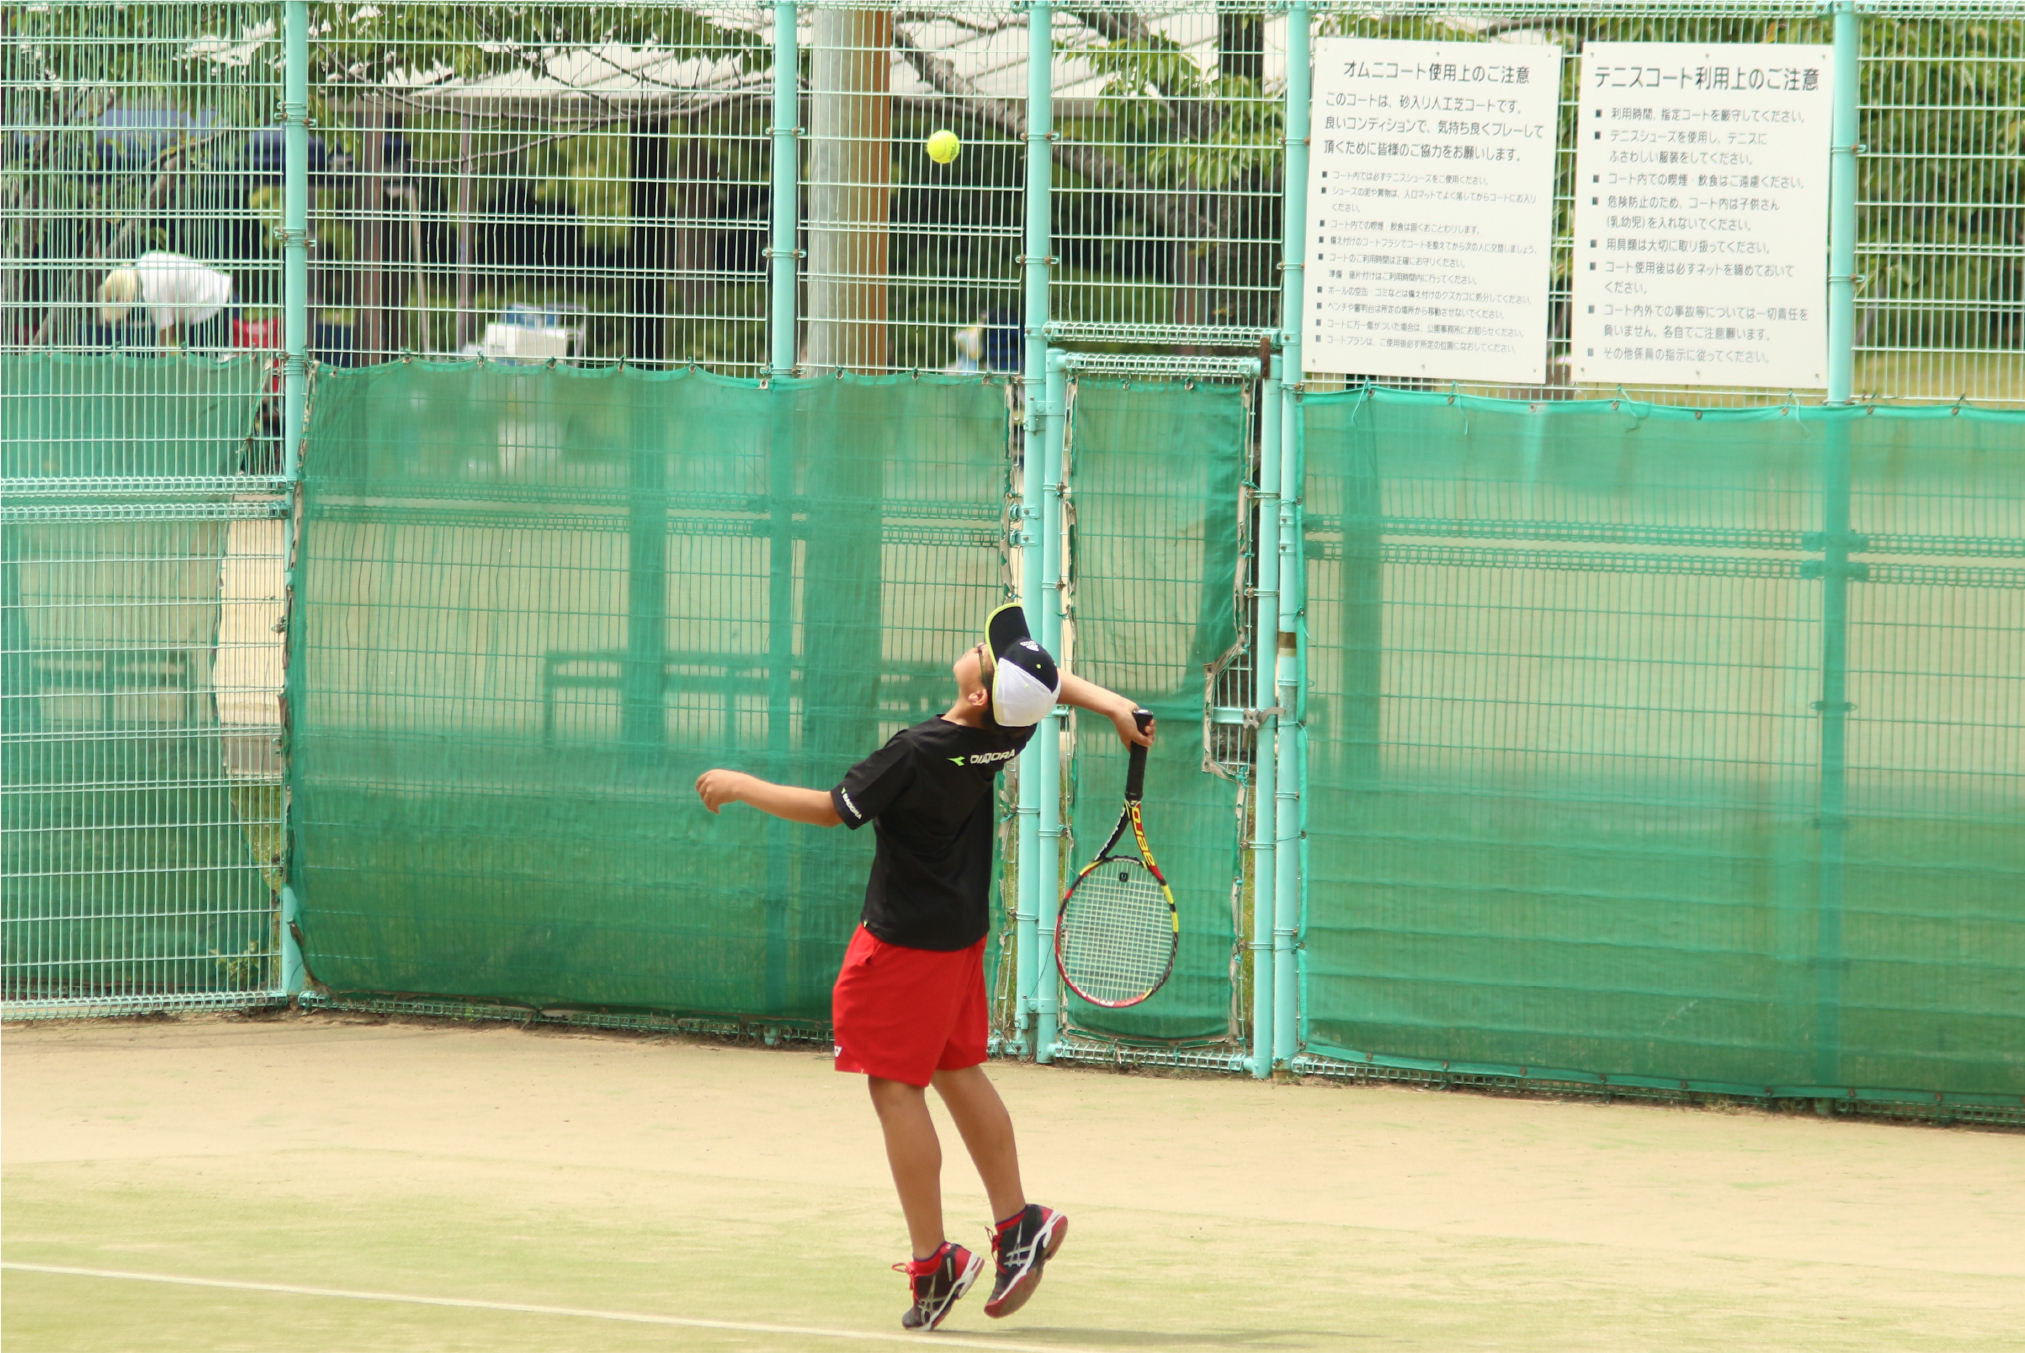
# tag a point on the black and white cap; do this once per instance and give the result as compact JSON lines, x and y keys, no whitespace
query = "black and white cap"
{"x":1024,"y":682}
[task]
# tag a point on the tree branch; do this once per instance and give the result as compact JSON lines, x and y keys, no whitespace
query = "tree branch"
{"x":1196,"y":119}
{"x":1114,"y":25}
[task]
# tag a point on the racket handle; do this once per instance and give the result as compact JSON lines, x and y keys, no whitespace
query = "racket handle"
{"x":1135,"y":769}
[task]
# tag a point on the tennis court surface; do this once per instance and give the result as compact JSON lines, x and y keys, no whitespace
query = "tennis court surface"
{"x":353,"y":1184}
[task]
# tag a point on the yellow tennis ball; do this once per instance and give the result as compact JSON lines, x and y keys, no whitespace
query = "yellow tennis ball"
{"x":942,"y":146}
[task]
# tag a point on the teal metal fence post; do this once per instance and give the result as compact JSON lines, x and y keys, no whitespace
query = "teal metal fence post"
{"x":1028,"y":965}
{"x":1265,"y":653}
{"x":294,"y":229}
{"x":294,"y":379}
{"x":785,"y":181}
{"x":291,"y":951}
{"x":1835,"y":542}
{"x":1048,"y":874}
{"x":1291,"y":859}
{"x":784,"y":178}
{"x":1288,"y":787}
{"x":1294,"y":598}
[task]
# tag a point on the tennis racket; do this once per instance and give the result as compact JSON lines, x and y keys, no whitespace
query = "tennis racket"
{"x":1118,"y":931}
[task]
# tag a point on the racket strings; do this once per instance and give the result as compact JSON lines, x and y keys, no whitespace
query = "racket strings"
{"x":1117,"y":933}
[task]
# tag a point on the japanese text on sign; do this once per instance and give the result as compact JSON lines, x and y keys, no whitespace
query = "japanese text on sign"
{"x":1430,"y":209}
{"x":1701,"y":215}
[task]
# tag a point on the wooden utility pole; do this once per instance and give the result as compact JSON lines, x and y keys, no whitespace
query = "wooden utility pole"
{"x":850,"y":187}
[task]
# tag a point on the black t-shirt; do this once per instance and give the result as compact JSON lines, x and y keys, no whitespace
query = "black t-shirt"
{"x":928,"y":792}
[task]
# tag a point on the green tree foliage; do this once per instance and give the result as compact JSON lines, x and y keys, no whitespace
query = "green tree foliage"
{"x":1182,"y":126}
{"x":364,"y":44}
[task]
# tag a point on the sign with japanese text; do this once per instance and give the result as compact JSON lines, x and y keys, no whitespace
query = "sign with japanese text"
{"x":1701,"y":215}
{"x":1431,"y":209}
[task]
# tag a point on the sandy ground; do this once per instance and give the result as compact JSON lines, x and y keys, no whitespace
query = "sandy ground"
{"x":676,"y":1179}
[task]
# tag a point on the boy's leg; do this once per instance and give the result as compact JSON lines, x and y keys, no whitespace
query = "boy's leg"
{"x":1026,"y":1235}
{"x":915,"y":1155}
{"x":987,"y":1130}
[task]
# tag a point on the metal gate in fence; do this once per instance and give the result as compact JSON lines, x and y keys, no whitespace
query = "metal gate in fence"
{"x":143,"y":784}
{"x":1158,"y":584}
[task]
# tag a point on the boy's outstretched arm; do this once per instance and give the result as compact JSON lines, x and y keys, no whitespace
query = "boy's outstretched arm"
{"x":1113,"y":706}
{"x":810,"y":806}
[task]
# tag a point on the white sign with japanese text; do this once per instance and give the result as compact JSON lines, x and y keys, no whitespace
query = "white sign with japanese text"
{"x":1701,"y":214}
{"x":1431,"y":209}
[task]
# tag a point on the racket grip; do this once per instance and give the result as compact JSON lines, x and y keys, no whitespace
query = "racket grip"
{"x":1135,"y":769}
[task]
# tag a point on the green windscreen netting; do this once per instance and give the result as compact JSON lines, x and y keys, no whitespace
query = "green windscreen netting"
{"x":1156,"y":468}
{"x":536,"y":604}
{"x":129,"y":418}
{"x":1582,"y":796}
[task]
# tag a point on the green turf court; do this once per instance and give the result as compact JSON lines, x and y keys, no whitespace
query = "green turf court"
{"x":634,"y":1184}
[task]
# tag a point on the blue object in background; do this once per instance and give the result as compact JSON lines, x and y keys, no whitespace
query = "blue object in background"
{"x":1002,"y":341}
{"x":130,"y":138}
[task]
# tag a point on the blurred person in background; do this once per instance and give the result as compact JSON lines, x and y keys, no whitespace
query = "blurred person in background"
{"x":179,"y":293}
{"x":969,"y":345}
{"x":994,"y":343}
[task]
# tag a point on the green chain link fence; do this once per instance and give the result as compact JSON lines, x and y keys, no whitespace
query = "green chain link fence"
{"x":1570,"y":800}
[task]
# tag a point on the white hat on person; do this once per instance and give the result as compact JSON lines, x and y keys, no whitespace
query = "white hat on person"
{"x":1024,"y":682}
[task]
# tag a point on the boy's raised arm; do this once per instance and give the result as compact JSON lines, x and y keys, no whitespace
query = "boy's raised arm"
{"x":809,"y":806}
{"x":1113,"y":706}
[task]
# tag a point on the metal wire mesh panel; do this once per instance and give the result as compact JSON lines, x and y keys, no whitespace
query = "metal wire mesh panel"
{"x":1941,"y":195}
{"x":567,"y":180}
{"x":139,"y":136}
{"x":1168,"y":167}
{"x":1569,"y":772}
{"x":538,"y":604}
{"x":1155,"y":468}
{"x":911,"y":263}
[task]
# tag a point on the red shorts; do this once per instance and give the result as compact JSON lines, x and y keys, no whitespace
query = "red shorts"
{"x":904,"y":1014}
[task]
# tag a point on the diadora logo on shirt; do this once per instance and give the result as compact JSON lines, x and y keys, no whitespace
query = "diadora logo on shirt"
{"x":981,"y":758}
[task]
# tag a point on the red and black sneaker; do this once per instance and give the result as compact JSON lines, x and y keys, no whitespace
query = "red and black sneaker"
{"x":1022,"y":1244}
{"x":937,"y":1282}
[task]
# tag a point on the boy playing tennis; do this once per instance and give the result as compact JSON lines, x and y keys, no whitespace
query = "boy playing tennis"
{"x":910,"y":1008}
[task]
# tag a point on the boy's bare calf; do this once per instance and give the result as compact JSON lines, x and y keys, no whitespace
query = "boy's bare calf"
{"x":915,"y":1154}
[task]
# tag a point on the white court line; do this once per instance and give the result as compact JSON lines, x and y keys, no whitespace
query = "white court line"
{"x":578,"y":1312}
